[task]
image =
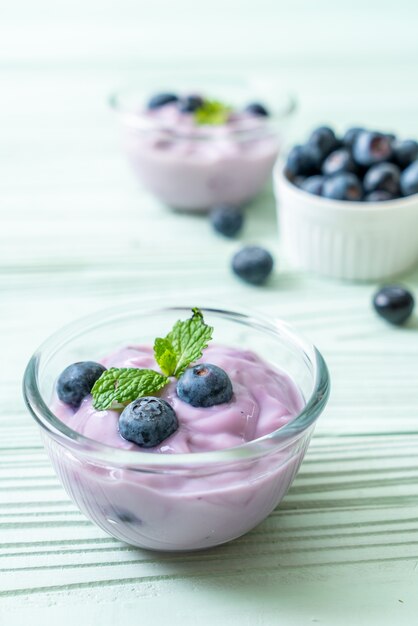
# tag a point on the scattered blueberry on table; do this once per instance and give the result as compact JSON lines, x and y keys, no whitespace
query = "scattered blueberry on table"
{"x":147,"y":421}
{"x":204,"y":385}
{"x":362,"y":165}
{"x":77,"y":380}
{"x":394,"y":304}
{"x":253,"y":264}
{"x":226,"y":220}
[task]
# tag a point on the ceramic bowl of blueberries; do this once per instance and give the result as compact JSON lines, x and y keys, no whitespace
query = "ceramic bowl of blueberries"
{"x":196,"y":147}
{"x":348,"y":205}
{"x":205,"y":483}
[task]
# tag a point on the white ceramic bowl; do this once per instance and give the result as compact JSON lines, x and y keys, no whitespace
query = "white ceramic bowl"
{"x":349,"y":240}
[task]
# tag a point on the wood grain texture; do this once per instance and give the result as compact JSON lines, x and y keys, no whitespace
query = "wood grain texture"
{"x":78,"y":235}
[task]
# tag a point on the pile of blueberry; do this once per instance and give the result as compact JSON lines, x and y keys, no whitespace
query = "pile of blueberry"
{"x":192,"y":102}
{"x":362,"y":165}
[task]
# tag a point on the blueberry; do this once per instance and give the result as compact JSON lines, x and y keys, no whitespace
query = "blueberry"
{"x":343,"y":186}
{"x":148,"y":421}
{"x":378,"y":196}
{"x":77,"y":380}
{"x":226,"y":220}
{"x":190,"y":104}
{"x":350,"y":136}
{"x":383,"y":177}
{"x":313,"y":184}
{"x":370,"y":148}
{"x":409,"y":179}
{"x":299,"y":180}
{"x":160,"y":99}
{"x":405,"y":152}
{"x":256,"y":108}
{"x":253,"y":264}
{"x":324,"y":139}
{"x":303,"y":161}
{"x":394,"y":303}
{"x":338,"y":161}
{"x":204,"y":385}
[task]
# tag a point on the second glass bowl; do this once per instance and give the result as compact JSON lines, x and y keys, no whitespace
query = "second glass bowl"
{"x":194,"y":169}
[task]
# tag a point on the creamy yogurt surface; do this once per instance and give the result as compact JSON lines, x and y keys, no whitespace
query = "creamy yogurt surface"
{"x":264,"y":399}
{"x":192,"y":166}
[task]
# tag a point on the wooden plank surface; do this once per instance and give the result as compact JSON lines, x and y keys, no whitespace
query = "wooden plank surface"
{"x":77,"y":235}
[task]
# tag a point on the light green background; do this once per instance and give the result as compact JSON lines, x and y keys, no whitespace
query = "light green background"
{"x":77,"y":234}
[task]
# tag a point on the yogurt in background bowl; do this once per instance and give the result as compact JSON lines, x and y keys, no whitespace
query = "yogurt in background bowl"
{"x":194,"y":167}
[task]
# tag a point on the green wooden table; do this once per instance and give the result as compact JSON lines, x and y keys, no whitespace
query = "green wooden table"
{"x":77,"y":235}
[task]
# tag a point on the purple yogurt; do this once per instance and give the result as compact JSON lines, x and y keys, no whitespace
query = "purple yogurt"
{"x":181,"y":512}
{"x":226,"y":467}
{"x":195,"y":167}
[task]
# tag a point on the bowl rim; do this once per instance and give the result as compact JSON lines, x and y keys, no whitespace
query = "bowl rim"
{"x":278,"y":439}
{"x":280,"y":179}
{"x":131,"y":118}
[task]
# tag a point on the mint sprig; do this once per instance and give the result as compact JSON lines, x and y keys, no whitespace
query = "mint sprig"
{"x":183,"y":345}
{"x":212,"y":112}
{"x":117,"y":387}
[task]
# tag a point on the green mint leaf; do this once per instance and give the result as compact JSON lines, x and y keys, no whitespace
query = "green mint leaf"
{"x":183,"y":345}
{"x":165,"y":356}
{"x":117,"y":387}
{"x":212,"y":112}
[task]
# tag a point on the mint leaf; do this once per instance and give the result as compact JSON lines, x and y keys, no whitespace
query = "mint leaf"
{"x":165,"y":356}
{"x":116,"y":387}
{"x":183,"y":345}
{"x":212,"y":112}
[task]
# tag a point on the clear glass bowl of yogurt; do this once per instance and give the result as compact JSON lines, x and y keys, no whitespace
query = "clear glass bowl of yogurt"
{"x":199,"y":490}
{"x":194,"y":166}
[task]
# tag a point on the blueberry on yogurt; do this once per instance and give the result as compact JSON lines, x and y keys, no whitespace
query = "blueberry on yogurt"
{"x":77,"y":380}
{"x":204,"y":385}
{"x":256,"y":108}
{"x":189,"y":104}
{"x":148,"y":421}
{"x":161,"y":99}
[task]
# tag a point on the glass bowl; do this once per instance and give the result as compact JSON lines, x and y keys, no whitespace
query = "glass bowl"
{"x":176,"y":501}
{"x":194,"y":168}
